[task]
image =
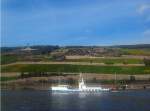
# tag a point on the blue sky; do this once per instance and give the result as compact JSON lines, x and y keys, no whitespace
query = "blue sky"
{"x":75,"y":22}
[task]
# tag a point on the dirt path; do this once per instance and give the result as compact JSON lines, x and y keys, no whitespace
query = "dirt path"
{"x":74,"y":63}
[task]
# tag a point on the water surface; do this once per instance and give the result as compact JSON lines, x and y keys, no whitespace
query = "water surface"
{"x":25,"y":100}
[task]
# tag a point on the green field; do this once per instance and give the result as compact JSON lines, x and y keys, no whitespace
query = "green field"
{"x":6,"y":59}
{"x":7,"y":78}
{"x":142,"y":52}
{"x":76,"y":68}
{"x":108,"y":60}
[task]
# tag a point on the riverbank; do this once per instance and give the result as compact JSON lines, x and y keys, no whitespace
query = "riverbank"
{"x":42,"y":83}
{"x":38,"y":81}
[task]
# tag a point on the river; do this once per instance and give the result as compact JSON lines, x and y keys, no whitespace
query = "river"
{"x":31,"y":100}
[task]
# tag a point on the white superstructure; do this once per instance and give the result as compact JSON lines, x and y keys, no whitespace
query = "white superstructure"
{"x":81,"y":88}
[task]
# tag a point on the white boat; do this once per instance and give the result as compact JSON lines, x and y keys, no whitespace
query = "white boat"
{"x":63,"y":88}
{"x":81,"y":88}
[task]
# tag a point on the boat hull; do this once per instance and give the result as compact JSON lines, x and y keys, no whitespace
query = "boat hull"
{"x":77,"y":90}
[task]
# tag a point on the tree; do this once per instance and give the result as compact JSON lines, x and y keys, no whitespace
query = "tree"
{"x":132,"y":78}
{"x":71,"y":81}
{"x":94,"y":80}
{"x":146,"y":61}
{"x":22,"y":75}
{"x":125,"y":62}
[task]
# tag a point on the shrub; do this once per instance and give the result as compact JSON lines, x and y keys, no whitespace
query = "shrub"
{"x":132,"y":78}
{"x":146,"y":62}
{"x":109,"y":63}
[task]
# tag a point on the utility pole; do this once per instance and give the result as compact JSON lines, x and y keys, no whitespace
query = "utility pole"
{"x":115,"y":78}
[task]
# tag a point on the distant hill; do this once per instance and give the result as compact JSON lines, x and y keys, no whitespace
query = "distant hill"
{"x":39,"y":49}
{"x":75,"y":50}
{"x":137,"y":46}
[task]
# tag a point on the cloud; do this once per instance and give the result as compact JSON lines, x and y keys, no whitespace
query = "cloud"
{"x":143,"y":8}
{"x":148,"y":19}
{"x":146,"y":33}
{"x":88,"y":31}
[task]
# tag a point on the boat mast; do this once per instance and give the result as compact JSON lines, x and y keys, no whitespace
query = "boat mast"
{"x":82,"y":85}
{"x":115,"y":78}
{"x":58,"y":77}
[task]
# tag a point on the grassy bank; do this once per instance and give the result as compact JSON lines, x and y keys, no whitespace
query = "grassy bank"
{"x":76,"y":68}
{"x":8,"y":78}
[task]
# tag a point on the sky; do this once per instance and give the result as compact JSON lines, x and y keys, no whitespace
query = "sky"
{"x":75,"y":22}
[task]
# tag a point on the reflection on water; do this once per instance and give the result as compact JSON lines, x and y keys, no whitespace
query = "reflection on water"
{"x":47,"y":101}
